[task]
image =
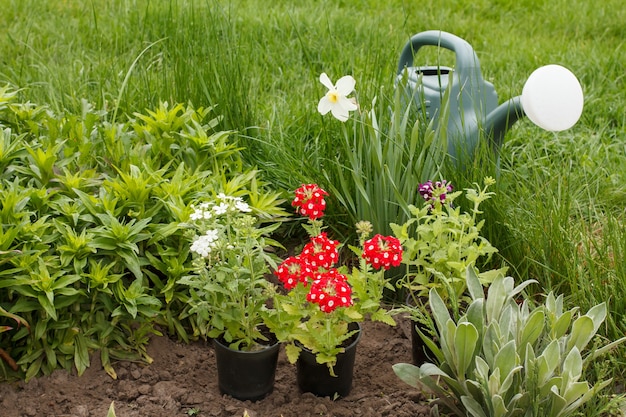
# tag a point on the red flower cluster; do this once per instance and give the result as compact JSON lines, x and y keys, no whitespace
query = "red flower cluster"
{"x":330,"y":290}
{"x":293,"y":270}
{"x":320,"y":252}
{"x":309,"y":201}
{"x":382,"y":251}
{"x":315,"y":264}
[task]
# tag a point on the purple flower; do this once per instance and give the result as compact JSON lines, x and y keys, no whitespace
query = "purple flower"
{"x":435,"y":193}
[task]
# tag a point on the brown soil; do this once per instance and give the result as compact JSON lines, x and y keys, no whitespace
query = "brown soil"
{"x":182,"y":381}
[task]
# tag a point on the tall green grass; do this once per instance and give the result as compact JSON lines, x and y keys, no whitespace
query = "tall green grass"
{"x":558,"y":216}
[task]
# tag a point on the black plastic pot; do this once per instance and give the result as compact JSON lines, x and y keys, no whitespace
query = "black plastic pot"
{"x":246,"y":375}
{"x":419,"y":351}
{"x":315,"y":378}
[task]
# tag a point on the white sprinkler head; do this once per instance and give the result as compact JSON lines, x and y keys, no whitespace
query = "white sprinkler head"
{"x":552,"y":98}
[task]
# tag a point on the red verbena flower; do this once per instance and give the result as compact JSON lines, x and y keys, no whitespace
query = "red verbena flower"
{"x":382,"y":251}
{"x":309,"y":201}
{"x":320,"y":252}
{"x":330,"y":290}
{"x":293,"y":270}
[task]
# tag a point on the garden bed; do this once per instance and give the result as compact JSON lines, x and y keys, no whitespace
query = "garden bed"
{"x":182,"y":380}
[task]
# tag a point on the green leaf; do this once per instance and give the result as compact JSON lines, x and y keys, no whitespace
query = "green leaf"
{"x":33,"y":369}
{"x":81,"y":354}
{"x":47,"y":306}
{"x":549,"y":359}
{"x":532,"y":330}
{"x":496,"y":298}
{"x":292,"y":352}
{"x":465,"y":345}
{"x":572,"y":365}
{"x":575,"y":391}
{"x":474,"y":286}
{"x":473,"y":407}
{"x":499,"y":409}
{"x":560,"y":327}
{"x":582,"y":333}
{"x":111,"y":412}
{"x":439,"y":309}
{"x":597,"y":314}
{"x":506,"y":359}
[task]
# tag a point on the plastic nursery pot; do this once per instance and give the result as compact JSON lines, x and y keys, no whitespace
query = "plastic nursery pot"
{"x":246,"y":375}
{"x":315,"y":378}
{"x":420,"y":353}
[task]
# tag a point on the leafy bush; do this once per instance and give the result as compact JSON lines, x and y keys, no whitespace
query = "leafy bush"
{"x":91,"y":247}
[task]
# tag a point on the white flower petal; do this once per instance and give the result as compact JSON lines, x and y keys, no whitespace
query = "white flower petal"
{"x":345,"y":85}
{"x":326,"y":81}
{"x":324,"y":106}
{"x":347,"y":104}
{"x":340,"y":113}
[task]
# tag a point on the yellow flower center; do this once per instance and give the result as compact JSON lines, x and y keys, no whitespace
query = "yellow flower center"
{"x":333,"y":96}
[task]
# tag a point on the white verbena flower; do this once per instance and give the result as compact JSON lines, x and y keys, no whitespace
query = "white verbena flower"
{"x":335,"y":100}
{"x":220,"y":209}
{"x":242,"y":206}
{"x":197,"y":215}
{"x":212,"y":235}
{"x":203,"y":244}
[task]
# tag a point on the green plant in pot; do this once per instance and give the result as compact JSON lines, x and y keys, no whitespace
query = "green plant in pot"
{"x":228,"y":291}
{"x":318,"y":313}
{"x":507,"y":357}
{"x":440,"y":242}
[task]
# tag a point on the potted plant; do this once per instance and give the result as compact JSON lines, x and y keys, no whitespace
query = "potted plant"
{"x":228,"y":292}
{"x":506,"y":357}
{"x":317,"y":315}
{"x":441,"y":241}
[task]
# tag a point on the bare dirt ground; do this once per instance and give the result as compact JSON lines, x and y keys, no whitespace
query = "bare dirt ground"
{"x":182,"y":381}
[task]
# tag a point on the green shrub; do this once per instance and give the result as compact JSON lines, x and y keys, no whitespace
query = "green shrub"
{"x":91,"y":246}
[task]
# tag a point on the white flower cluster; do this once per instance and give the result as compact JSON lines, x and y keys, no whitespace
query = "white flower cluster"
{"x":207,"y":211}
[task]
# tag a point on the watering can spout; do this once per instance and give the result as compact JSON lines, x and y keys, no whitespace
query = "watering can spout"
{"x":500,"y":120}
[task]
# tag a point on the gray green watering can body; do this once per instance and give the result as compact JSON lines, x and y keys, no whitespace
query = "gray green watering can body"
{"x":472,"y":103}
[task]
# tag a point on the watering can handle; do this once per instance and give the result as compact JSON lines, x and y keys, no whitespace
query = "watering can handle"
{"x":466,"y":59}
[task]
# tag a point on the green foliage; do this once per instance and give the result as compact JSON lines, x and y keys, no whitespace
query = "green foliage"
{"x":111,"y":412}
{"x":381,"y":160}
{"x":300,"y":322}
{"x":504,"y":358}
{"x":91,"y":243}
{"x":441,"y":241}
{"x":228,"y":289}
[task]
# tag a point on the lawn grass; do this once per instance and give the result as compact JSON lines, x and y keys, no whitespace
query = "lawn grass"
{"x":559,"y":212}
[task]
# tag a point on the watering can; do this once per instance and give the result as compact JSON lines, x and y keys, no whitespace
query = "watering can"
{"x":552,"y":97}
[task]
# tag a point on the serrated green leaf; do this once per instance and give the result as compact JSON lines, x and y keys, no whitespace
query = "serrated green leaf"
{"x":293,"y":352}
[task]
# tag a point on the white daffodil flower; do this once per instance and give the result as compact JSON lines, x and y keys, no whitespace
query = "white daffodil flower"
{"x":335,"y":100}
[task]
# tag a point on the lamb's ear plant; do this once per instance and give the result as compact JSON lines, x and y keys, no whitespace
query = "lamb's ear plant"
{"x":510,"y":358}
